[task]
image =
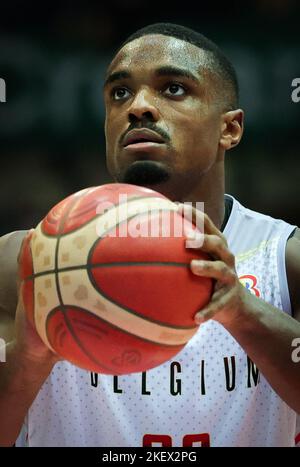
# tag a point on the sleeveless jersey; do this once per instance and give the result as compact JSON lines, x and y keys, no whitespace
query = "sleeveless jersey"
{"x":210,"y":394}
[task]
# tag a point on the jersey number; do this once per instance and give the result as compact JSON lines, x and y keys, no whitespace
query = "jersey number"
{"x":187,"y":441}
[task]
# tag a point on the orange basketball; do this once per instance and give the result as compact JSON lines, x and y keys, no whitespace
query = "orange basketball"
{"x":102,"y":290}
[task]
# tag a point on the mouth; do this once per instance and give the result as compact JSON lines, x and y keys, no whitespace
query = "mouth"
{"x":142,"y":139}
{"x":140,"y":145}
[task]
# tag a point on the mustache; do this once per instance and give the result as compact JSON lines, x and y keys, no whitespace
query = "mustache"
{"x":149,"y":126}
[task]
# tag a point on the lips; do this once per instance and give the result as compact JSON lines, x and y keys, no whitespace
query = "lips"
{"x":142,"y":136}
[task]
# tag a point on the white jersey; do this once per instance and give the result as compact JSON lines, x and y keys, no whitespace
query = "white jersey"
{"x":210,"y":394}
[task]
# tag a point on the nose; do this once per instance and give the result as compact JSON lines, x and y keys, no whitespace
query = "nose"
{"x":142,"y":106}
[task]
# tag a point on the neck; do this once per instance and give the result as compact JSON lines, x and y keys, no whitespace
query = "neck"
{"x":208,"y":188}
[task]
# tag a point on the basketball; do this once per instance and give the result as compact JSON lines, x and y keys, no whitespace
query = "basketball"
{"x":107,"y":285}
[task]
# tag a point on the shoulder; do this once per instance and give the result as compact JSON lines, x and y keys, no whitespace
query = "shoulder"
{"x":293,"y":271}
{"x":9,"y":249}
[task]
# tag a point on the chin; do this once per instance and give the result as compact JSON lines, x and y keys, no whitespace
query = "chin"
{"x":145,"y":173}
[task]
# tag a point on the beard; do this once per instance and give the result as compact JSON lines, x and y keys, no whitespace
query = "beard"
{"x":145,"y":173}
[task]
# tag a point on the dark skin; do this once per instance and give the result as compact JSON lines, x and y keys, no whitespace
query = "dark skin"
{"x":186,"y":109}
{"x":200,"y":128}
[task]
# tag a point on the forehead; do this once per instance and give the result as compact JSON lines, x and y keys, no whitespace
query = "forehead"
{"x":153,"y":50}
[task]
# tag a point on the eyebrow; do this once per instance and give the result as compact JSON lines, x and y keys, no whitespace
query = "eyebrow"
{"x":169,"y":70}
{"x":116,"y":76}
{"x":166,"y":70}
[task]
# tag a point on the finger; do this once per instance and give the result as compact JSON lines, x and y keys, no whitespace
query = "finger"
{"x":21,"y":249}
{"x":217,"y":304}
{"x":214,"y":269}
{"x":200,"y":219}
{"x":215,"y":247}
{"x":27,"y":235}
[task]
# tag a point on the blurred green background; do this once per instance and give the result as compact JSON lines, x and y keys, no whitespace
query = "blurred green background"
{"x":53,"y":58}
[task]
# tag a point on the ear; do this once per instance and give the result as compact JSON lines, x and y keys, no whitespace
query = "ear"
{"x":232,"y":128}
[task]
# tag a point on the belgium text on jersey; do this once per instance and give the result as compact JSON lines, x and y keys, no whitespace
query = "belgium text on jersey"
{"x":177,"y":380}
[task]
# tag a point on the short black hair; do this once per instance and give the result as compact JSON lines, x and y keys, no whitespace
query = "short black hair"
{"x":218,"y":61}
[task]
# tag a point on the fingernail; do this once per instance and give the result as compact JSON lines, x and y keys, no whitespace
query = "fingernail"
{"x":196,"y":263}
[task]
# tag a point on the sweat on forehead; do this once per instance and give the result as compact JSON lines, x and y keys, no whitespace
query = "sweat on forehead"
{"x":158,"y":48}
{"x":180,"y":42}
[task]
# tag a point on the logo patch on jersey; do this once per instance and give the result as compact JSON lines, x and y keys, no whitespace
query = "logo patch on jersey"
{"x":249,"y":281}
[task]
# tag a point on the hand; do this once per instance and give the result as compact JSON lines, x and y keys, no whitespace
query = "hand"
{"x":28,"y":343}
{"x":229,"y":297}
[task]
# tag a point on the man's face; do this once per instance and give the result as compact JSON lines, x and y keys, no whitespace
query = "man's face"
{"x":163,"y":85}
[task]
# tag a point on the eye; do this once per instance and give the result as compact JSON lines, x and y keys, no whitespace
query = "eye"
{"x":120,"y":93}
{"x":175,"y":89}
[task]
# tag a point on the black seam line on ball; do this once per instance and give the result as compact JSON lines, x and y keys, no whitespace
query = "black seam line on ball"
{"x":106,"y":265}
{"x":91,"y":266}
{"x":97,"y":216}
{"x":56,"y":271}
{"x":91,"y":357}
{"x":130,"y":310}
{"x":128,"y":219}
{"x":62,"y":306}
{"x":83,"y":225}
{"x":121,"y":329}
{"x":89,"y":269}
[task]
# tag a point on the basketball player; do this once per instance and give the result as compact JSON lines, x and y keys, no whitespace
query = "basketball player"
{"x":171,"y":114}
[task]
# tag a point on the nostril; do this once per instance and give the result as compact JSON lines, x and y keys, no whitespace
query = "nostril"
{"x":141,"y":116}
